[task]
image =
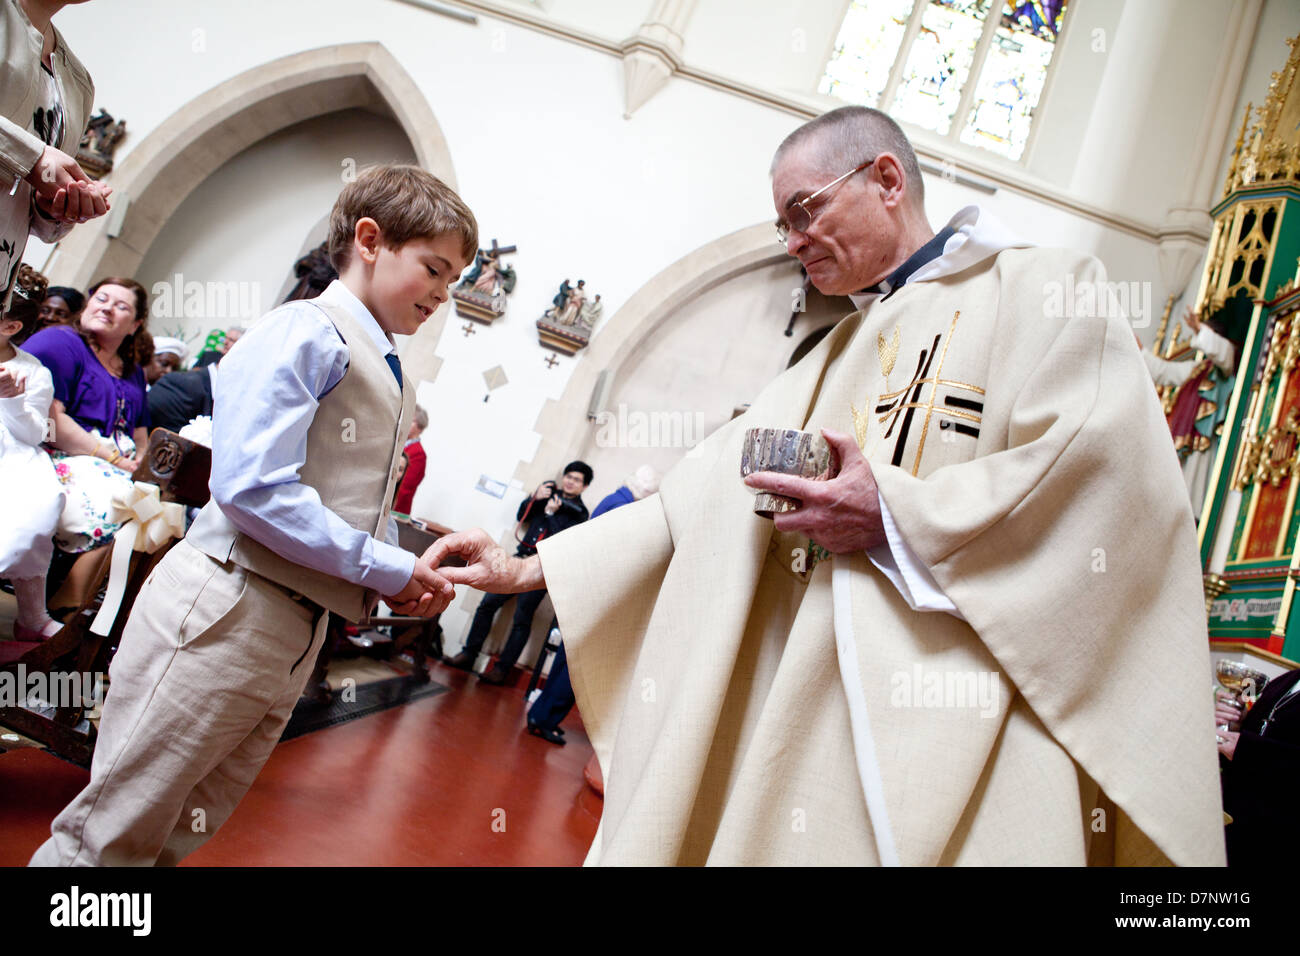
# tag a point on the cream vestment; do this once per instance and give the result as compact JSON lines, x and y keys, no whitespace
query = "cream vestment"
{"x":746,"y":711}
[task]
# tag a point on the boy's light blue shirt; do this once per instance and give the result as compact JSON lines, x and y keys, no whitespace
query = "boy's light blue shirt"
{"x":274,"y":377}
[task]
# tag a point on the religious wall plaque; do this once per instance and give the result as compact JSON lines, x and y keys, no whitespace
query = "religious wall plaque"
{"x":481,"y":295}
{"x":567,"y":325}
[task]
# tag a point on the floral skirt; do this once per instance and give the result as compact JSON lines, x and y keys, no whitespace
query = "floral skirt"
{"x":89,"y":484}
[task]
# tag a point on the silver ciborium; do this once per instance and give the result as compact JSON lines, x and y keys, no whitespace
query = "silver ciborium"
{"x":787,"y":451}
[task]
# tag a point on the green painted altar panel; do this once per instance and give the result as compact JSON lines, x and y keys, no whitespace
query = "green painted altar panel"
{"x":1291,"y":648}
{"x":1248,"y":611}
{"x":1289,"y":547}
{"x":1287,"y":251}
{"x":1246,"y":494}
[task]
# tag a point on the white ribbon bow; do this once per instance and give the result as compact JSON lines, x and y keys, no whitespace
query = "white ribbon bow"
{"x":147,"y":524}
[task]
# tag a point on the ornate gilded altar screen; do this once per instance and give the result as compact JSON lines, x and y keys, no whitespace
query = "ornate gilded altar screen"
{"x":1249,"y":522}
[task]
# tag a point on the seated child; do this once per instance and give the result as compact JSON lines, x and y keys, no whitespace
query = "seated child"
{"x":26,"y":474}
{"x":310,"y":414}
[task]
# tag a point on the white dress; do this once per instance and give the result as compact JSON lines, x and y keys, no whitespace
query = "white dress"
{"x":32,"y":494}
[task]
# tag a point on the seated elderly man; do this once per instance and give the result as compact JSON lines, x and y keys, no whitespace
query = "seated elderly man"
{"x":941,"y":655}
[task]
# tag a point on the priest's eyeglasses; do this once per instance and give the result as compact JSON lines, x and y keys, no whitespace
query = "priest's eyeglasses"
{"x":799,"y":217}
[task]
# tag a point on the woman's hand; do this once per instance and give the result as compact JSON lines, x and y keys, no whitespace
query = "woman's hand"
{"x":128,"y":465}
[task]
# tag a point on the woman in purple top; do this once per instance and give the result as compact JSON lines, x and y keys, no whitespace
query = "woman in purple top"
{"x":100,"y":416}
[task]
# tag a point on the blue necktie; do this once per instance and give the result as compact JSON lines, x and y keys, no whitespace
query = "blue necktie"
{"x":396,"y":366}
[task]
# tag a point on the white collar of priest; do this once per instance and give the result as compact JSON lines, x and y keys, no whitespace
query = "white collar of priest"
{"x":898,"y":278}
{"x":971,"y":236}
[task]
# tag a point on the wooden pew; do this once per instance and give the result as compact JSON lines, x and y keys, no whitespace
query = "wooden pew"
{"x":180,"y":468}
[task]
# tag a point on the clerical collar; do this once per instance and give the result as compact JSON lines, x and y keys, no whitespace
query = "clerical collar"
{"x":930,"y":251}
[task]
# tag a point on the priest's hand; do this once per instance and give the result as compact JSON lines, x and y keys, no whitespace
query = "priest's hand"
{"x":488,"y":566}
{"x":841,"y":513}
{"x":427,"y":593}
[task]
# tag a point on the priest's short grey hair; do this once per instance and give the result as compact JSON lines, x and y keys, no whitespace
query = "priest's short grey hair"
{"x":850,"y":135}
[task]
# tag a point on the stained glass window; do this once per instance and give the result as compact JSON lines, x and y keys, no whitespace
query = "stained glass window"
{"x":923,"y":57}
{"x":1013,"y":76}
{"x":865,"y":50}
{"x":939,"y":62}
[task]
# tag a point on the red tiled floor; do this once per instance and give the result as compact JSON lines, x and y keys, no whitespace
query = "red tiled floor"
{"x":420,"y":784}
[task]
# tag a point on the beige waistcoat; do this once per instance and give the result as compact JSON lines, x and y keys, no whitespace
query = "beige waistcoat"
{"x":350,"y":463}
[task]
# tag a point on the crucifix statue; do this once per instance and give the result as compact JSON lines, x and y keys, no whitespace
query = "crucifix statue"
{"x":481,"y":295}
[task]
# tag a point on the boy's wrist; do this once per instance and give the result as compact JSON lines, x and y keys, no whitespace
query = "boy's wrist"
{"x":391,"y":568}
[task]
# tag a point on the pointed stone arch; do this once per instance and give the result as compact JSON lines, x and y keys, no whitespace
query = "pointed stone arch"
{"x":563,"y":423}
{"x":156,"y":176}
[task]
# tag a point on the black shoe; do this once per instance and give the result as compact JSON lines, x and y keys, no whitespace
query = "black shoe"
{"x":495,"y":676}
{"x":546,"y":734}
{"x":464,"y":661}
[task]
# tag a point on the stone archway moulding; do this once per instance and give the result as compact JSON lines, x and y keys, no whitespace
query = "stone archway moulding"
{"x":161,"y":171}
{"x":165,"y":167}
{"x":563,"y":423}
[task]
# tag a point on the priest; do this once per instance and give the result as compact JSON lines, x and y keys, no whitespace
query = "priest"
{"x":980,"y":640}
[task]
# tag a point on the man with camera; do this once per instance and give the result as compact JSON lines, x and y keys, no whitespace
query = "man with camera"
{"x":548,"y":512}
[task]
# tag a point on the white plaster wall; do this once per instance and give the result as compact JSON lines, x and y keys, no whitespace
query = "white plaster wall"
{"x":776,"y":46}
{"x":715,"y":353}
{"x":1069,"y":105}
{"x":612,"y":19}
{"x":246,"y":223}
{"x":1140,"y":141}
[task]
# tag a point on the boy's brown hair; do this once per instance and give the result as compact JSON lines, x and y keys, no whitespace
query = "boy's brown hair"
{"x":408,"y":203}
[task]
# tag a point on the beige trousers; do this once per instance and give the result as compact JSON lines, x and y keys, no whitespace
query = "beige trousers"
{"x":211,"y":663}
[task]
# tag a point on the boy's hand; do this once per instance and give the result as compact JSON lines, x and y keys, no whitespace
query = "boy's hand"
{"x":427,"y":593}
{"x":487,"y":565}
{"x":12,"y":385}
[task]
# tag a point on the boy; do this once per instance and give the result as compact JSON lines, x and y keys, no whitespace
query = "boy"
{"x":310,"y":413}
